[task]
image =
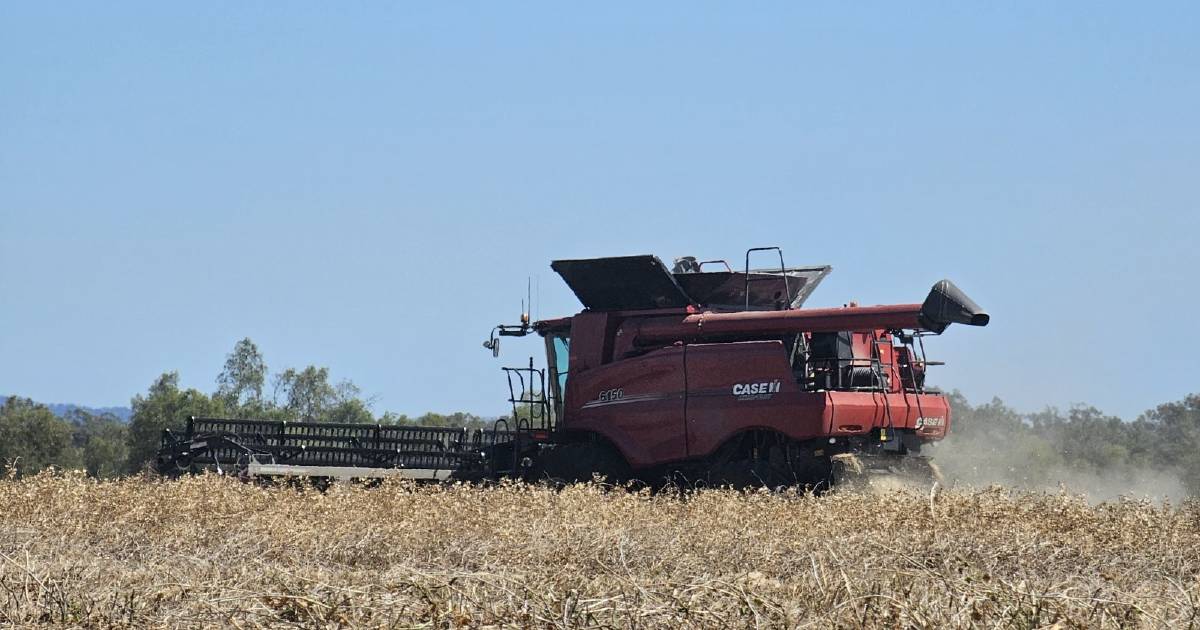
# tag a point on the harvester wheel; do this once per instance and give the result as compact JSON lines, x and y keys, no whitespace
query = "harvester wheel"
{"x":580,"y":462}
{"x":759,"y":459}
{"x":847,"y":470}
{"x":851,"y":471}
{"x":740,"y":474}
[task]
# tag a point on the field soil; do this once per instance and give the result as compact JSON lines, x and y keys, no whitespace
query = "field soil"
{"x":211,"y":551}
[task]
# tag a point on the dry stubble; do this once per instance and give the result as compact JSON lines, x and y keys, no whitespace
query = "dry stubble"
{"x":212,"y":551}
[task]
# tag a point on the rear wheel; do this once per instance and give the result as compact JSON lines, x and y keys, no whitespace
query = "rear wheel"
{"x":767,"y":459}
{"x":884,"y":472}
{"x":847,"y":471}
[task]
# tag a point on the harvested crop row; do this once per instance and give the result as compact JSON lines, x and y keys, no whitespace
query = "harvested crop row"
{"x":211,"y":551}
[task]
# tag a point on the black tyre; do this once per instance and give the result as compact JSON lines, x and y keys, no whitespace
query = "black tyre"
{"x":580,"y":462}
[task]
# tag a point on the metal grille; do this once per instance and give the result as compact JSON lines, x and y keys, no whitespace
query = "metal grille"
{"x":329,"y":444}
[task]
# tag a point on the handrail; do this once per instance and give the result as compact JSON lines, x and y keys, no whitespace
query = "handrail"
{"x":782,"y":271}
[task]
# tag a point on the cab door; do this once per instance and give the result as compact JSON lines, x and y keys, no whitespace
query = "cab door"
{"x":558,"y":357}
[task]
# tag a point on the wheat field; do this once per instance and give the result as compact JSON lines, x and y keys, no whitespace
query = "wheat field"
{"x":211,"y":551}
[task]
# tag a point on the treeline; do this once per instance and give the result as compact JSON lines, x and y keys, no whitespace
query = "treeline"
{"x":1081,"y":448}
{"x":33,"y":438}
{"x":1158,"y":453}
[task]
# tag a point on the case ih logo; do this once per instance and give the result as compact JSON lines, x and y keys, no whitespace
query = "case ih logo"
{"x":756,"y":391}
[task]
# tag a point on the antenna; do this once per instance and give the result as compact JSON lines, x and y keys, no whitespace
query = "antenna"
{"x":527,"y":302}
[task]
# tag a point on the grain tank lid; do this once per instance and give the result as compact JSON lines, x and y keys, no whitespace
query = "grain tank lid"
{"x":620,"y":283}
{"x":726,"y":290}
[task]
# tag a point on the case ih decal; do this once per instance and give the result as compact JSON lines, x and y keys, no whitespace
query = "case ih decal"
{"x":756,"y":391}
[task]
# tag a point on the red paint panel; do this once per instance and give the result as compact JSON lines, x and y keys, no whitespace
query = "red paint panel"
{"x":933,"y":411}
{"x":588,"y":339}
{"x":859,"y":412}
{"x":636,"y":403}
{"x":725,"y":395}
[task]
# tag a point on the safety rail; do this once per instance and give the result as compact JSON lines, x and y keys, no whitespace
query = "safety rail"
{"x":523,"y":395}
{"x":849,"y":373}
{"x":782,"y":272}
{"x":853,"y":374}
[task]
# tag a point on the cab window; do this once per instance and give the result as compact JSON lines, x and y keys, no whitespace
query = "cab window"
{"x":562,"y":354}
{"x":558,"y":354}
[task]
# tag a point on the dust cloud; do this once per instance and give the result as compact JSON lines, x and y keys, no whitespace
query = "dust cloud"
{"x":977,"y":462}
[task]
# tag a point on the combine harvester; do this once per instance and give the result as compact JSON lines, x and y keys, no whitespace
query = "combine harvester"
{"x":692,"y":375}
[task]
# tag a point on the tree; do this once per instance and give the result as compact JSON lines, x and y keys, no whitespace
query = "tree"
{"x":352,"y":411}
{"x":308,"y":395}
{"x":240,"y":384}
{"x":431,"y":419}
{"x":530,"y":410}
{"x":1177,"y":427}
{"x":391,"y":418}
{"x":305,"y":393}
{"x":165,"y":406}
{"x":32,"y":437}
{"x":102,"y":442}
{"x":457,"y":419}
{"x":993,"y":443}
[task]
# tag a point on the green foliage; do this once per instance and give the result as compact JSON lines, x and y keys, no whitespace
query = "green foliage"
{"x":994,"y":443}
{"x":32,"y":437}
{"x":240,"y":384}
{"x":165,"y":406}
{"x":352,"y":411}
{"x":431,"y":419}
{"x":1176,"y":426}
{"x":308,"y":395}
{"x":531,"y":412}
{"x":102,"y":441}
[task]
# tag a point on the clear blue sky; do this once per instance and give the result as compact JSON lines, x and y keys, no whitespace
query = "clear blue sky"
{"x":366,"y":186}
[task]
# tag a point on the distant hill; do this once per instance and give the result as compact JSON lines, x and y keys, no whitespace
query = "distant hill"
{"x":62,"y":409}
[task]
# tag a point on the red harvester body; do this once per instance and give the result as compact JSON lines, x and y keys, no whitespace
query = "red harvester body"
{"x":717,"y":377}
{"x":735,"y":386}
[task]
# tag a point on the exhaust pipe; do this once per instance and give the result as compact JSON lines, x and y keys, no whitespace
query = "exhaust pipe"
{"x":947,"y":304}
